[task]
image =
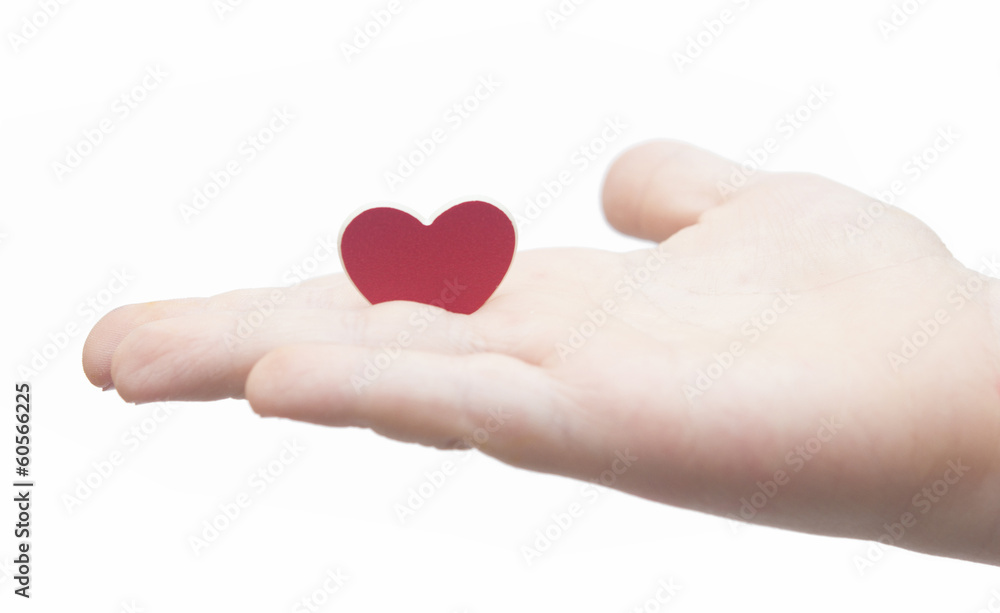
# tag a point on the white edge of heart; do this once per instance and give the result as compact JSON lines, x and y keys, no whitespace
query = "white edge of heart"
{"x":424,"y":220}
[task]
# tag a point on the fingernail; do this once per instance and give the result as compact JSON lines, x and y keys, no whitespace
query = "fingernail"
{"x":109,"y":387}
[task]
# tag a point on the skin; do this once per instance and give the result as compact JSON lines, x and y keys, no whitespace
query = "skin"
{"x":850,"y":298}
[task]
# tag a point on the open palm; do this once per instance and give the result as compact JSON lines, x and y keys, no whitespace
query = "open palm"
{"x":792,"y":354}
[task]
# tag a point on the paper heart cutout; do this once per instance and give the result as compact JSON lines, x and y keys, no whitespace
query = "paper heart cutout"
{"x":456,"y":262}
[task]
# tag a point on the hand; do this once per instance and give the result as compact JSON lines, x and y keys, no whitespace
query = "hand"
{"x":759,"y":336}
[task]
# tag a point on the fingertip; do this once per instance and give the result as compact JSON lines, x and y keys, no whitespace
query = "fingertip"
{"x":659,"y":187}
{"x":619,"y":192}
{"x":125,"y":370}
{"x":263,"y":389}
{"x":100,"y":344}
{"x":172,"y":359}
{"x":110,"y":330}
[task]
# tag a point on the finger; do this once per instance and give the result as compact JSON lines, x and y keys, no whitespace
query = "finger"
{"x":660,"y":187}
{"x":208,"y":355}
{"x":328,"y":291}
{"x":111,"y":329}
{"x":507,"y":408}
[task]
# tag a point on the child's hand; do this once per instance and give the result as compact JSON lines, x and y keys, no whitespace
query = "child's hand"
{"x":781,"y":332}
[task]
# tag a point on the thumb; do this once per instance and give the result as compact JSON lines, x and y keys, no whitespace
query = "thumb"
{"x":657,"y":188}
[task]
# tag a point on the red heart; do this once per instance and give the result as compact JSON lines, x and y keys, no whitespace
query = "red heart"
{"x":455,"y":263}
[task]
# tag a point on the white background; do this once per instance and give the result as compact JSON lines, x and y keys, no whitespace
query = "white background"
{"x":62,"y":238}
